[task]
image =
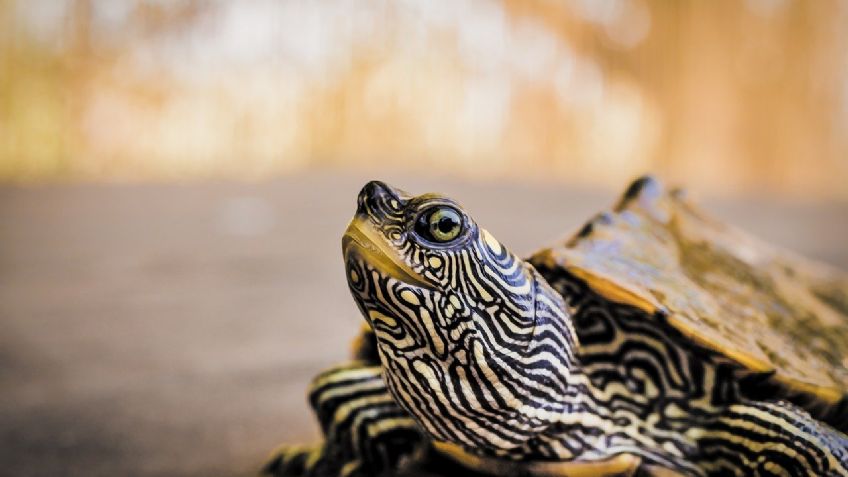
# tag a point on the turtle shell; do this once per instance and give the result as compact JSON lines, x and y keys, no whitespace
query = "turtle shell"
{"x":772,"y":312}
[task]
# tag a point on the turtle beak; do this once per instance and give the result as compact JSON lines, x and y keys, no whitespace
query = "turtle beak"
{"x":364,"y":242}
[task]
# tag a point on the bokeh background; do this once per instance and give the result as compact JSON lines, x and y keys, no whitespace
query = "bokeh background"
{"x":175,"y":177}
{"x":744,"y":95}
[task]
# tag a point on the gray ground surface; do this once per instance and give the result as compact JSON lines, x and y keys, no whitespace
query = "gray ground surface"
{"x":152,"y":330}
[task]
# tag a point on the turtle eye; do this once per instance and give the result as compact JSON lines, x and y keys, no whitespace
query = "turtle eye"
{"x":439,"y":224}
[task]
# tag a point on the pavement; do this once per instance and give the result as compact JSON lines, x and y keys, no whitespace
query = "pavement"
{"x":170,"y":330}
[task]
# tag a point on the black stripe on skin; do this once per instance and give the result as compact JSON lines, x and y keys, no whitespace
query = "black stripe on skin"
{"x":398,"y":380}
{"x":460,"y":424}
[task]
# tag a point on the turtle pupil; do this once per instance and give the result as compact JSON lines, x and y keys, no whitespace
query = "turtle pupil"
{"x":446,"y":224}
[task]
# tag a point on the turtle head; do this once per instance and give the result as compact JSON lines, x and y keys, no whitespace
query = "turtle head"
{"x":460,"y":321}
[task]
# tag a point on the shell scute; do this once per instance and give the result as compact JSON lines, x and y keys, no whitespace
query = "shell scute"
{"x":768,"y":309}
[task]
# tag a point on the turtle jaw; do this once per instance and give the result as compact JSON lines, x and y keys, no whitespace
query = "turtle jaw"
{"x":362,"y":242}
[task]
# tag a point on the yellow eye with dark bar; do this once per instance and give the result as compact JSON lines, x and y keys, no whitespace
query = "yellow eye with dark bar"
{"x":439,"y":224}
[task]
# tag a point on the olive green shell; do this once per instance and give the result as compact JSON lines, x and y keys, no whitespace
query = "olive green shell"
{"x":765,"y":308}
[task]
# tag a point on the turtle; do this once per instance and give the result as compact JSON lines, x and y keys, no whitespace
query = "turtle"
{"x":654,"y":341}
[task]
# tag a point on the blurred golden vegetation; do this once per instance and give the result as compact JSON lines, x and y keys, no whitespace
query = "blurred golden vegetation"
{"x":732,"y":95}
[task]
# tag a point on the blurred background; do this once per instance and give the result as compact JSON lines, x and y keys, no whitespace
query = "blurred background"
{"x":591,"y":91}
{"x":175,"y":177}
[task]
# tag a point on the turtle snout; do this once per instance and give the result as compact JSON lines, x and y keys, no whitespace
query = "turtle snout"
{"x":378,"y":199}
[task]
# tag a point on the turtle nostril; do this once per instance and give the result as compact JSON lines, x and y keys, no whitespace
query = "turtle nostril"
{"x":361,"y":206}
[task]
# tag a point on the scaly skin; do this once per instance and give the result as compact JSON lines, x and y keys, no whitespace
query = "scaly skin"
{"x":365,"y":432}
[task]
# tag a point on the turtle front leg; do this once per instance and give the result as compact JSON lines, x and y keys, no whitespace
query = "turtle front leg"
{"x":296,"y":460}
{"x":771,"y":438}
{"x":365,"y":431}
